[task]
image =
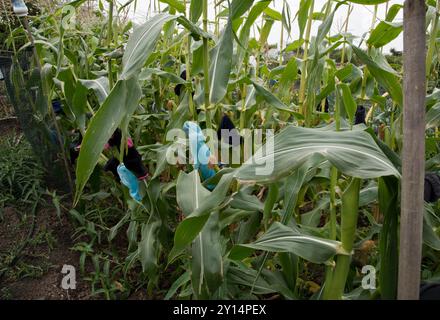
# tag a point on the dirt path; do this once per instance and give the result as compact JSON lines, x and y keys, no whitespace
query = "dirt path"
{"x":36,"y":273}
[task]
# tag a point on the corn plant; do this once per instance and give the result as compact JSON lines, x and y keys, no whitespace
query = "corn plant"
{"x":334,"y":183}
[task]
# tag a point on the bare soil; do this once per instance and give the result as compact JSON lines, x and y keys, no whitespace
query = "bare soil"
{"x":33,"y":251}
{"x":36,"y":272}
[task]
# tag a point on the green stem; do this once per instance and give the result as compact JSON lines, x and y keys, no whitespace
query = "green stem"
{"x":188,"y":72}
{"x":110,"y":23}
{"x":243,"y":107}
{"x":302,"y":88}
{"x":373,"y":22}
{"x":217,"y":20}
{"x":366,"y":73}
{"x":281,"y":42}
{"x":109,"y":41}
{"x":333,"y":184}
{"x":349,"y":215}
{"x":257,"y":68}
{"x":51,"y":111}
{"x":206,"y":67}
{"x":328,"y":10}
{"x":110,"y":73}
{"x":349,"y":10}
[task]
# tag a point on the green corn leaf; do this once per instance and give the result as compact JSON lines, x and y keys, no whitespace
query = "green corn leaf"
{"x":303,"y":14}
{"x":270,"y":201}
{"x":430,"y":237}
{"x":281,"y":238}
{"x":75,"y":3}
{"x":294,"y":45}
{"x":433,"y":98}
{"x":265,"y":31}
{"x":349,"y":72}
{"x":190,"y":192}
{"x":149,"y":246}
{"x":248,"y":202}
{"x":312,"y":218}
{"x":142,"y":43}
{"x":244,"y":276}
{"x":324,"y":29}
{"x":286,"y":19}
{"x":289,"y":74}
{"x":433,"y":116}
{"x":368,"y":2}
{"x":354,"y":153}
{"x":75,"y":94}
{"x":181,"y":281}
{"x":273,"y":14}
{"x":388,"y":239}
{"x":132,"y":234}
{"x":122,"y":101}
{"x":271,"y":99}
{"x":200,"y":204}
{"x":196,"y":32}
{"x":387,"y":79}
{"x":195,"y":10}
{"x":115,"y":229}
{"x":293,"y":185}
{"x":47,"y":73}
{"x":99,"y":86}
{"x":239,"y":7}
{"x":176,"y":4}
{"x":221,"y":63}
{"x":255,"y":12}
{"x":384,"y":33}
{"x":250,"y":97}
{"x":147,"y":73}
{"x":349,"y":102}
{"x":207,"y":260}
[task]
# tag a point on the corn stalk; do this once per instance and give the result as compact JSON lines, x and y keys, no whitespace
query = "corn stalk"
{"x":302,"y":88}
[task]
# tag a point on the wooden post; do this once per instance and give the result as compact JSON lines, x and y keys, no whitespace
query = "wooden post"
{"x":413,"y":153}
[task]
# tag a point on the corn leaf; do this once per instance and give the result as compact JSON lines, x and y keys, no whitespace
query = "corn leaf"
{"x":368,"y":2}
{"x":122,"y":101}
{"x":142,"y":43}
{"x":195,"y":10}
{"x":149,"y":246}
{"x":207,"y":260}
{"x":239,"y":7}
{"x":353,"y":152}
{"x":281,"y":238}
{"x":433,"y":116}
{"x":200,"y":203}
{"x":349,"y":102}
{"x":176,"y":4}
{"x":99,"y":86}
{"x":387,"y":79}
{"x":221,"y":63}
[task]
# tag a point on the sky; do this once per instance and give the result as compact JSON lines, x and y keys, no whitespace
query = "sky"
{"x":359,"y":23}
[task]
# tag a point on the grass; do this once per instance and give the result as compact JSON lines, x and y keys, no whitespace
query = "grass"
{"x":20,"y":173}
{"x":6,"y":110}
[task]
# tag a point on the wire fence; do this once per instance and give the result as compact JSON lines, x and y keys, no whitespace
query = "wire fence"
{"x":25,"y":93}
